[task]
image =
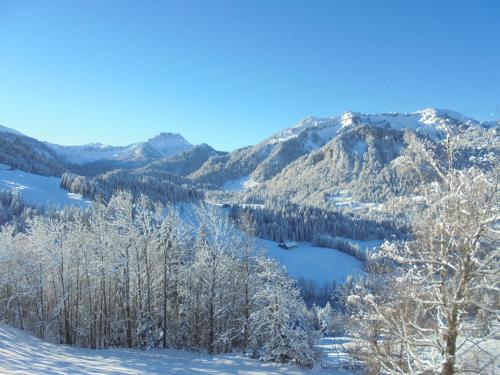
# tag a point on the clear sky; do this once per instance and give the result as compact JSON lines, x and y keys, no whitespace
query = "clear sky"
{"x":229,"y":73}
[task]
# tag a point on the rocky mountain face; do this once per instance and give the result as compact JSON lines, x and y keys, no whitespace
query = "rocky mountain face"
{"x":266,"y":160}
{"x":365,"y":161}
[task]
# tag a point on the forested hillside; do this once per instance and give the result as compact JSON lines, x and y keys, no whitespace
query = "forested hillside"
{"x":22,"y":152}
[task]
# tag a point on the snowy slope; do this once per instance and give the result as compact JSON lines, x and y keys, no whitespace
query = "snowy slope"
{"x":239,"y":185}
{"x":21,"y":353}
{"x":36,"y":189}
{"x":86,"y":153}
{"x":320,"y":264}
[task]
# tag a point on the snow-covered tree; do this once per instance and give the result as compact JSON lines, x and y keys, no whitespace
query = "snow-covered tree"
{"x":279,"y":323}
{"x":128,"y":272}
{"x":423,"y":317}
{"x":326,"y":320}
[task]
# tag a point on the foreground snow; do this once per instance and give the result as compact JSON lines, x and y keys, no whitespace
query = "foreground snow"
{"x":21,"y":353}
{"x":37,"y":189}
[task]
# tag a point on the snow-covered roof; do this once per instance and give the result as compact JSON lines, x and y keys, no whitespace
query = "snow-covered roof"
{"x":289,"y":244}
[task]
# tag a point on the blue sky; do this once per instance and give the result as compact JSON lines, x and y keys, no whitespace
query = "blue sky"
{"x":229,"y":73}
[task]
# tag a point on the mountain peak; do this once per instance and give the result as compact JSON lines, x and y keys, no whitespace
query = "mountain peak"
{"x":430,"y":115}
{"x":167,"y":144}
{"x":167,"y":135}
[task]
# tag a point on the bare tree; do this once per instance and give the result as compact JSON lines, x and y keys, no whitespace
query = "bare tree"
{"x":423,"y":317}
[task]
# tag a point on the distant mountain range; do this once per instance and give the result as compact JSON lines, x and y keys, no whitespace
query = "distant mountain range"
{"x":308,"y":162}
{"x":52,"y":159}
{"x":268,"y":158}
{"x":163,"y":145}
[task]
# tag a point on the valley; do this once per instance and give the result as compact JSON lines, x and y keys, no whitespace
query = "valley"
{"x":249,"y":187}
{"x":181,"y":244}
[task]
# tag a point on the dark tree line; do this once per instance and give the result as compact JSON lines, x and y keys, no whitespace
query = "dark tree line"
{"x":280,"y":221}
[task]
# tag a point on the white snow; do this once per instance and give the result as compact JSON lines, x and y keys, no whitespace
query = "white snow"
{"x":366,"y":245}
{"x":335,"y":349}
{"x":325,"y":128}
{"x":430,"y":122}
{"x":344,"y":199}
{"x":168,"y":144}
{"x":165,"y":144}
{"x":21,"y":353}
{"x":431,"y":115}
{"x":37,"y":189}
{"x":239,"y":185}
{"x":319,"y":264}
{"x":87,"y":153}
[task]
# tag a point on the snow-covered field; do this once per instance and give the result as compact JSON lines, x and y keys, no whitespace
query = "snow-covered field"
{"x":335,"y":352}
{"x":319,"y":264}
{"x":366,"y":245}
{"x":21,"y":353}
{"x":239,"y":185}
{"x":344,"y":199}
{"x":37,"y":189}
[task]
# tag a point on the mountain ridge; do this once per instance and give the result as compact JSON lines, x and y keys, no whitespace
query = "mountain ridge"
{"x":170,"y":153}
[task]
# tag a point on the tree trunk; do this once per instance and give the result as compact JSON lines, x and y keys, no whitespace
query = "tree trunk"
{"x":127,"y":299}
{"x":165,"y":272}
{"x":451,"y":349}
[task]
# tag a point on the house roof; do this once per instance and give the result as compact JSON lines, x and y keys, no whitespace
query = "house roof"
{"x":289,"y":244}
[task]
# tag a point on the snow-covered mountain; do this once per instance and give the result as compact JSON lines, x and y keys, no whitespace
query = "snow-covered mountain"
{"x":268,"y":158}
{"x":434,"y":123}
{"x":86,"y":153}
{"x":163,"y":145}
{"x":23,"y":152}
{"x":361,"y":163}
{"x":28,"y":154}
{"x":359,"y":160}
{"x":168,"y":144}
{"x":363,"y":146}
